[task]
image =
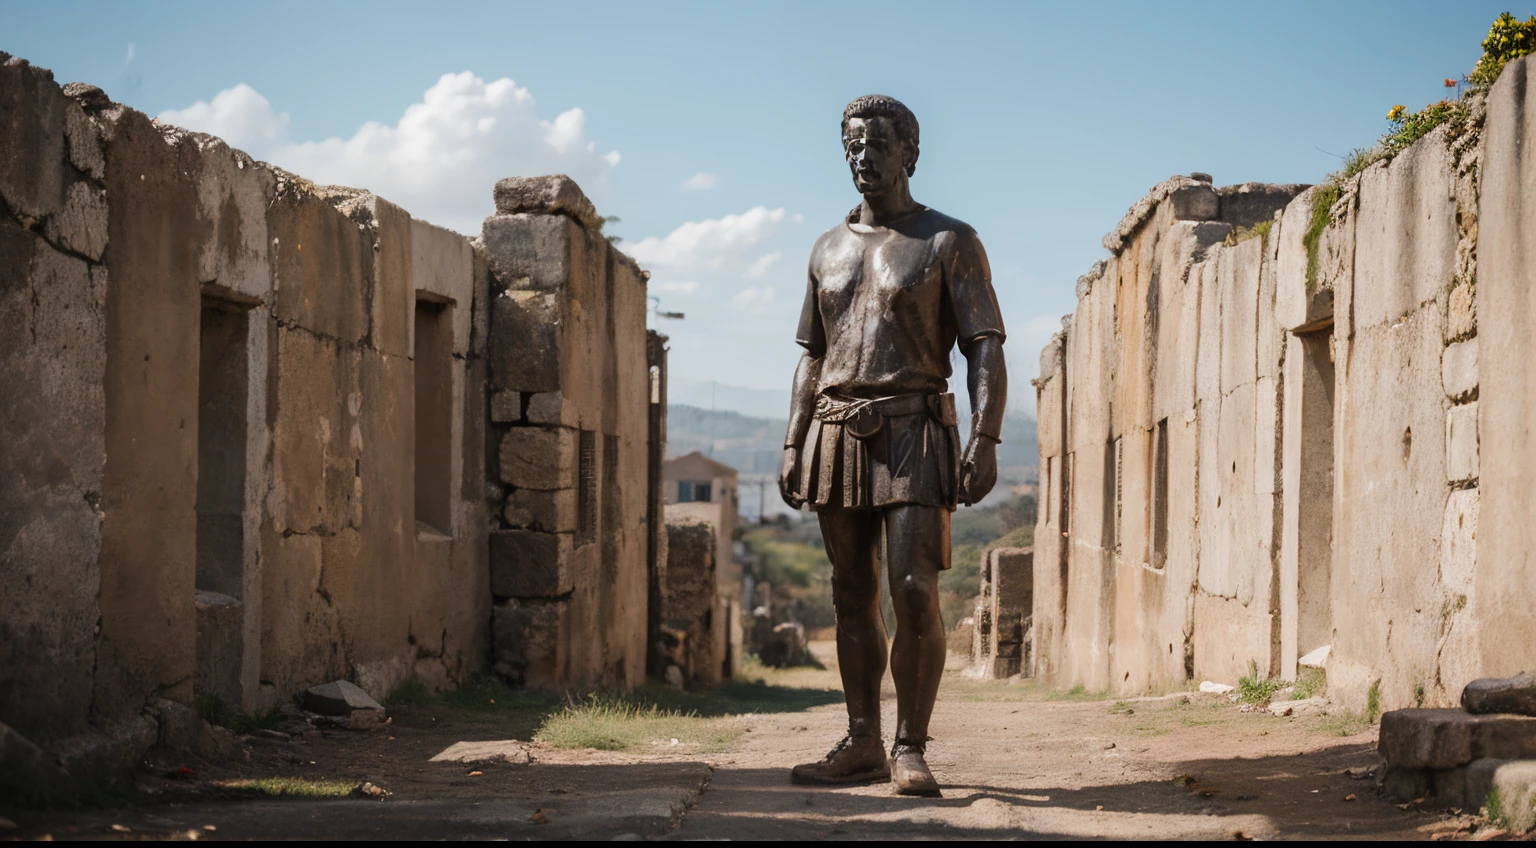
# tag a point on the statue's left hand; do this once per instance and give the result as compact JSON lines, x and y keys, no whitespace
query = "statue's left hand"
{"x":978,"y":469}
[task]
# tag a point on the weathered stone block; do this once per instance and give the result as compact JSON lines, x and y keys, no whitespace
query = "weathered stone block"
{"x":220,"y":645}
{"x":179,"y":725}
{"x":539,"y":457}
{"x":1248,"y":204}
{"x":1013,"y":578}
{"x":1461,"y":443}
{"x":32,"y":120}
{"x":1195,"y":202}
{"x":1445,"y":738}
{"x":524,"y":345}
{"x":507,"y":407}
{"x":549,"y":511}
{"x":1515,"y":695}
{"x":550,"y":408}
{"x":338,"y":698}
{"x":530,"y":564}
{"x":1461,"y":317}
{"x":533,"y":252}
{"x":321,"y":265}
{"x":1458,"y":541}
{"x":443,"y":264}
{"x":525,"y":639}
{"x":84,"y":140}
{"x":1458,"y":369}
{"x":1406,"y":233}
{"x":81,"y":225}
{"x":553,"y":194}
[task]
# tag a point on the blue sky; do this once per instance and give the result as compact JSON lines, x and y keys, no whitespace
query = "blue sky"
{"x":711,"y":129}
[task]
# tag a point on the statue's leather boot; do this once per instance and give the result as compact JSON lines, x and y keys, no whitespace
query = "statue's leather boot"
{"x":858,"y":758}
{"x":909,"y":771}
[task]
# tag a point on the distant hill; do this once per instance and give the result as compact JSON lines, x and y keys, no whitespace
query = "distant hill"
{"x":750,"y":445}
{"x":755,"y":445}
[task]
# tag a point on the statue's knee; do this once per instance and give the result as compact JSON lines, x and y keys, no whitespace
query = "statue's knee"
{"x":913,"y":594}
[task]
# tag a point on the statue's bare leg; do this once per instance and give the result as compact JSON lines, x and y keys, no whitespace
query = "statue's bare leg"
{"x":852,"y":539}
{"x":917,"y":540}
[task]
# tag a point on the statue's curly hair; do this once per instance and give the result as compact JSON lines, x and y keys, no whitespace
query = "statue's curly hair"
{"x":881,"y":106}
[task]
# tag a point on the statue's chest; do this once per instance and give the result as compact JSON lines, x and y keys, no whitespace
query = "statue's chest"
{"x":880,"y":271}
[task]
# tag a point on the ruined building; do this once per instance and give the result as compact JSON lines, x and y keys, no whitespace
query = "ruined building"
{"x":1288,"y":423}
{"x":263,"y":434}
{"x":1001,"y":628}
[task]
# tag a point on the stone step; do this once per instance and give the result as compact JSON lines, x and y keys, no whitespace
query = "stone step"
{"x":1448,"y":738}
{"x":1507,"y":788}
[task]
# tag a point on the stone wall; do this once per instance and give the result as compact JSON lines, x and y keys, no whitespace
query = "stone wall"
{"x":692,"y":628}
{"x":1001,"y":645}
{"x":1260,"y":443}
{"x":244,"y":426}
{"x":570,"y":391}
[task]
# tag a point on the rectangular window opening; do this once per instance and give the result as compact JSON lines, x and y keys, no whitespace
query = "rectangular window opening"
{"x":223,"y":392}
{"x":1160,"y":496}
{"x":586,"y":488}
{"x":433,"y":378}
{"x":1118,"y":460}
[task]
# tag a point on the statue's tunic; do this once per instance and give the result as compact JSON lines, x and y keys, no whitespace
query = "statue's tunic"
{"x":884,"y":307}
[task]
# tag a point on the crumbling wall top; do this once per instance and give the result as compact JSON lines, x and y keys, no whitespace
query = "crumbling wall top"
{"x":553,"y":194}
{"x":1143,"y":208}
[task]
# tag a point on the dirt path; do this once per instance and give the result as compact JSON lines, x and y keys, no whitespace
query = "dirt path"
{"x":1014,"y":766}
{"x":1014,"y":763}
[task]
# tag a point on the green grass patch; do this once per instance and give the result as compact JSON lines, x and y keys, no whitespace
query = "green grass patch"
{"x":1347,"y":723}
{"x":1257,"y":231}
{"x":291,"y":787}
{"x":1257,"y":690}
{"x":1415,"y":125}
{"x":1310,"y":682}
{"x":733,"y":697}
{"x":1358,"y":160}
{"x":1076,"y":693}
{"x":212,"y":709}
{"x":1373,"y":703}
{"x":1122,"y":708}
{"x":614,"y":724}
{"x":1493,"y":809}
{"x":1323,"y":198}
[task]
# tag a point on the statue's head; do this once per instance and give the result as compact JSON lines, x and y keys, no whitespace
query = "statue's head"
{"x":879,"y":142}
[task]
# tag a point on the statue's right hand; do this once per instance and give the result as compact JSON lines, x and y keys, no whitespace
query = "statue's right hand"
{"x":787,"y":474}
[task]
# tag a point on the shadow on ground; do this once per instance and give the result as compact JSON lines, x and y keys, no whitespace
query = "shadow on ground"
{"x":1324,"y":793}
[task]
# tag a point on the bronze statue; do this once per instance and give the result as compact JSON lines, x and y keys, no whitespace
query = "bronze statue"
{"x":873,"y":446}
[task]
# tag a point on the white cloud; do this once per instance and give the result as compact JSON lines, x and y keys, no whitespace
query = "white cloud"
{"x":712,"y":244}
{"x":760,"y":268}
{"x":701,"y":181}
{"x":439,"y":161}
{"x":674,"y":286}
{"x":753,"y":299}
{"x":130,"y":54}
{"x":239,"y":115}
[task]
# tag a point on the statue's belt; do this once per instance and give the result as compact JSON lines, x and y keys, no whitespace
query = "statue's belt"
{"x":864,"y":417}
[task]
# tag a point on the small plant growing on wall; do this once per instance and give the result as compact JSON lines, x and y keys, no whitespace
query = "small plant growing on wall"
{"x":1507,"y":39}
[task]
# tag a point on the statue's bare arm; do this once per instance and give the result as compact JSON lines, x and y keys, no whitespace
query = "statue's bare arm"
{"x":802,"y":403}
{"x":987,"y":380}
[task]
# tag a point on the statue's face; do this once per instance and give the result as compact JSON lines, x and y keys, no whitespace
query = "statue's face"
{"x":876,"y":156}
